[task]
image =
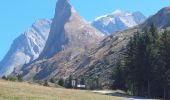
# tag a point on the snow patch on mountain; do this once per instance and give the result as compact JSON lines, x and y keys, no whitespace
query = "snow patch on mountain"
{"x":117,"y":21}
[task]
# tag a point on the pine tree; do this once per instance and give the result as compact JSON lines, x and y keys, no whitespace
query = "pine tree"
{"x":141,"y":57}
{"x":19,"y":77}
{"x":118,"y":76}
{"x":82,"y":81}
{"x":69,"y":84}
{"x":131,"y":61}
{"x":147,"y":65}
{"x":61,"y":82}
{"x":52,"y":80}
{"x":163,"y":70}
{"x":98,"y":85}
{"x":46,"y":83}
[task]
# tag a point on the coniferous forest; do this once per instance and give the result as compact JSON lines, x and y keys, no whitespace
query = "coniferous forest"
{"x":144,"y":68}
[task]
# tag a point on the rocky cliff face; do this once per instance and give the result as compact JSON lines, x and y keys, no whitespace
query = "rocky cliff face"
{"x":118,"y":21}
{"x":26,"y":47}
{"x":68,"y":30}
{"x":69,"y":36}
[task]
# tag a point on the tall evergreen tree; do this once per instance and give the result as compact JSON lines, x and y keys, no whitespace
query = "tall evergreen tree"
{"x":163,"y":70}
{"x":61,"y":82}
{"x":69,"y":84}
{"x":118,"y":75}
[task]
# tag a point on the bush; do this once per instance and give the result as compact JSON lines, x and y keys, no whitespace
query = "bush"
{"x":12,"y":78}
{"x":61,"y":82}
{"x":52,"y":80}
{"x":4,"y":78}
{"x":19,"y":77}
{"x":46,"y":83}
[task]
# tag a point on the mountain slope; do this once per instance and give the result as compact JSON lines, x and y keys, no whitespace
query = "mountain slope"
{"x":118,"y":21}
{"x":160,"y":19}
{"x":100,"y":62}
{"x":26,"y":47}
{"x":95,"y":62}
{"x":66,"y":51}
{"x":69,"y":36}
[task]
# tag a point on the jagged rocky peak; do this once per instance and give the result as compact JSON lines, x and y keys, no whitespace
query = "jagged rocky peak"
{"x":118,"y":21}
{"x":26,"y":47}
{"x":70,"y":36}
{"x":68,"y":30}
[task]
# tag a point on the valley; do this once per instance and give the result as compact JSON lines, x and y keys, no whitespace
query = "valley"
{"x":122,"y":50}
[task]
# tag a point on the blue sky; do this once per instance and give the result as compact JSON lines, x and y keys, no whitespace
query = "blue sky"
{"x":17,"y":15}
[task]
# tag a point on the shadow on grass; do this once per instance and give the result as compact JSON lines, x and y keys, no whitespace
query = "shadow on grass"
{"x":117,"y":94}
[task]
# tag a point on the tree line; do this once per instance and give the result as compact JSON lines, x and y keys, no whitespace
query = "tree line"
{"x":90,"y":84}
{"x":144,"y":68}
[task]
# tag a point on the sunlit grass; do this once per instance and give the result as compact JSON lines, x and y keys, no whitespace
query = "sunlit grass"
{"x":25,"y":91}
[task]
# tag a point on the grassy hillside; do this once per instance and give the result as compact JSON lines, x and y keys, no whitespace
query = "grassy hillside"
{"x":25,"y":91}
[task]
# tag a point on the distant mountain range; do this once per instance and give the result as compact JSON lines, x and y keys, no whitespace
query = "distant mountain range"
{"x":68,"y":45}
{"x":69,"y":36}
{"x":71,"y":52}
{"x":26,"y":47}
{"x":118,"y":21}
{"x":100,"y":62}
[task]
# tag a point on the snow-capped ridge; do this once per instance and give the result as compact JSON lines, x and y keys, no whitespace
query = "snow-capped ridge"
{"x":117,"y":11}
{"x":117,"y":21}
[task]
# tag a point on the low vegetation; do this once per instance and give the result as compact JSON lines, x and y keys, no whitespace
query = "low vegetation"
{"x":24,"y":91}
{"x":17,"y":77}
{"x":89,"y":84}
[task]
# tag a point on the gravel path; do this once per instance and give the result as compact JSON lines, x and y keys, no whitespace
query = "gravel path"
{"x":116,"y":94}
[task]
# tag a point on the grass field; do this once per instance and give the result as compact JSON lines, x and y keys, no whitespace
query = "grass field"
{"x":25,"y":91}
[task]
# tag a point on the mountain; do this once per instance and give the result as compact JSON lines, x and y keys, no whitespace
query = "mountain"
{"x":118,"y":21}
{"x":160,"y":19}
{"x":68,"y":30}
{"x":66,"y":54}
{"x":75,"y":48}
{"x":26,"y":47}
{"x":70,"y":35}
{"x":100,"y":61}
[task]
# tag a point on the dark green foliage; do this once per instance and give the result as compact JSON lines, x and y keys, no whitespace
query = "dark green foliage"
{"x":119,"y":76}
{"x":98,"y":84}
{"x":93,"y":84}
{"x":19,"y":77}
{"x":82,"y":81}
{"x":4,"y":77}
{"x":141,"y":61}
{"x":163,"y":68}
{"x":13,"y":78}
{"x":46,"y":83}
{"x":52,"y":80}
{"x":61,"y":82}
{"x":146,"y":71}
{"x":69,"y":82}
